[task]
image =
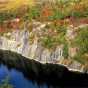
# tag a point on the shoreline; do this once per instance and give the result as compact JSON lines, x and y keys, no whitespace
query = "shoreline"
{"x":70,"y":69}
{"x":51,"y":74}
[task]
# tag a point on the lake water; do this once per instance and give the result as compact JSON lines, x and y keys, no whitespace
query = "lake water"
{"x":17,"y":78}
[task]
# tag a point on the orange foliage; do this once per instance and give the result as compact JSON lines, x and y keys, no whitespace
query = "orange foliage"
{"x":46,"y":12}
{"x":79,"y":7}
{"x":2,"y":29}
{"x":71,"y":21}
{"x":15,"y":23}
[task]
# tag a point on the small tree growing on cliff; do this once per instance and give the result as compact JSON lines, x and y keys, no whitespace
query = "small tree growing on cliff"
{"x":65,"y":51}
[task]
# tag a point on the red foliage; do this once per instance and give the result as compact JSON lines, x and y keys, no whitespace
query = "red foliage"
{"x":84,"y":21}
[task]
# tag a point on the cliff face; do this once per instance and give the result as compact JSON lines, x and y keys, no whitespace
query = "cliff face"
{"x":20,"y":41}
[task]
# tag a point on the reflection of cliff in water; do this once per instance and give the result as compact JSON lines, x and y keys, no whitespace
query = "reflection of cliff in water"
{"x":51,"y":74}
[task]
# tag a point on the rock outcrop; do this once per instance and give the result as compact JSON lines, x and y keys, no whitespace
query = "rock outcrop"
{"x":19,"y":41}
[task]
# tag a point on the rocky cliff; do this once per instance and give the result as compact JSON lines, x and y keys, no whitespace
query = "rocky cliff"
{"x":21,"y":41}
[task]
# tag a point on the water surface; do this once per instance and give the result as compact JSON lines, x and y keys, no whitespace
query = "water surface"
{"x":17,"y":78}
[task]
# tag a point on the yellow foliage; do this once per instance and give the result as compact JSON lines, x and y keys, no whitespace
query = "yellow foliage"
{"x":14,"y":4}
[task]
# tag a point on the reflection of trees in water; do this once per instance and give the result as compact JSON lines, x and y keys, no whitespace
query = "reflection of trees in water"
{"x":5,"y":83}
{"x":50,"y":74}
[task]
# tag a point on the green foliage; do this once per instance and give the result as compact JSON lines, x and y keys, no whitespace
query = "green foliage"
{"x":61,"y":29}
{"x":60,"y":10}
{"x":79,"y":14}
{"x":33,"y":13}
{"x":65,"y":51}
{"x":7,"y":16}
{"x":48,"y":42}
{"x":78,"y":57}
{"x":60,"y":38}
{"x":57,"y":15}
{"x":76,"y":14}
{"x":65,"y":9}
{"x":82,"y":40}
{"x":51,"y":41}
